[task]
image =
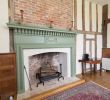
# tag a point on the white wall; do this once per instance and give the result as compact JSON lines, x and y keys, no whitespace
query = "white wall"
{"x":4,"y":32}
{"x":99,"y":46}
{"x":79,"y":52}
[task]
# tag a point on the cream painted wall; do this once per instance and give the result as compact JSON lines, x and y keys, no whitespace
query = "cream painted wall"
{"x":4,"y":32}
{"x":93,"y":17}
{"x":79,"y":14}
{"x":99,"y":18}
{"x":87,"y":23}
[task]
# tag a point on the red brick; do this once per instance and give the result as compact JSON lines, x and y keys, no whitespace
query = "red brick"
{"x":41,"y":11}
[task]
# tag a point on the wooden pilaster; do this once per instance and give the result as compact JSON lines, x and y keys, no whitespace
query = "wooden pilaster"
{"x":75,"y":14}
{"x":90,"y":15}
{"x":96,"y":18}
{"x":104,"y":24}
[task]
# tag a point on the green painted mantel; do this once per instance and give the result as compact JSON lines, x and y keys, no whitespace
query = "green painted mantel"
{"x":34,"y":37}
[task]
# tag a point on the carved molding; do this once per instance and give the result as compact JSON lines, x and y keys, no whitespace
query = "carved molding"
{"x":20,"y":29}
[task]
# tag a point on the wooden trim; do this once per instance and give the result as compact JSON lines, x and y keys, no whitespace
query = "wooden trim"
{"x":96,"y":46}
{"x":90,"y":39}
{"x":96,"y":31}
{"x":90,"y":15}
{"x":96,"y":18}
{"x":84,"y":44}
{"x":9,"y":3}
{"x":108,"y":20}
{"x":87,"y":32}
{"x":75,"y":14}
{"x":11,"y":10}
{"x":83,"y":15}
{"x":104,"y":24}
{"x":90,"y":48}
{"x":55,"y":91}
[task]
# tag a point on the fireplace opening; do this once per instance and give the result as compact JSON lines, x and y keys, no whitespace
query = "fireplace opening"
{"x":57,"y":59}
{"x":46,"y":66}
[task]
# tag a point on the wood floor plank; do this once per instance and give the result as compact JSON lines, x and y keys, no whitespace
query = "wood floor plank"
{"x":103,"y":80}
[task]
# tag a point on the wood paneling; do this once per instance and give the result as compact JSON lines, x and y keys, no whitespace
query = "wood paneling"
{"x":105,"y":52}
{"x":8,"y":85}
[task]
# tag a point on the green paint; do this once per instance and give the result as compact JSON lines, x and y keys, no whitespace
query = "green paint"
{"x":31,"y":37}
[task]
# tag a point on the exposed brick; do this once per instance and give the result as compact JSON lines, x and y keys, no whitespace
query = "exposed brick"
{"x":41,"y":11}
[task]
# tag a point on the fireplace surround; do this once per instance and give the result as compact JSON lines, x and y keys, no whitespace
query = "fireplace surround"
{"x":39,"y":37}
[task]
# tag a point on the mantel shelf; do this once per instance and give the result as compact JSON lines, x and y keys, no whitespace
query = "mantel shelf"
{"x":39,"y":30}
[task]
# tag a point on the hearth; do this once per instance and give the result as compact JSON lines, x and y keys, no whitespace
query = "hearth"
{"x":26,"y":37}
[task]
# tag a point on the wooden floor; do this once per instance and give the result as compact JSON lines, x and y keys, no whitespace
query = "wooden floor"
{"x":103,"y":80}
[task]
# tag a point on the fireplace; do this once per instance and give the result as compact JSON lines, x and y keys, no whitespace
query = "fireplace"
{"x":37,"y":38}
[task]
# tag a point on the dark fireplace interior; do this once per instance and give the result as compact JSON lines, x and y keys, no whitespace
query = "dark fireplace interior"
{"x":49,"y":62}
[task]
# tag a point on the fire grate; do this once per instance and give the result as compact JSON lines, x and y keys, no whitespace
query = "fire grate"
{"x":48,"y":73}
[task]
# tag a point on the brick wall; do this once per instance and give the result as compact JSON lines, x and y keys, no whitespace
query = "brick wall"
{"x":41,"y":11}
